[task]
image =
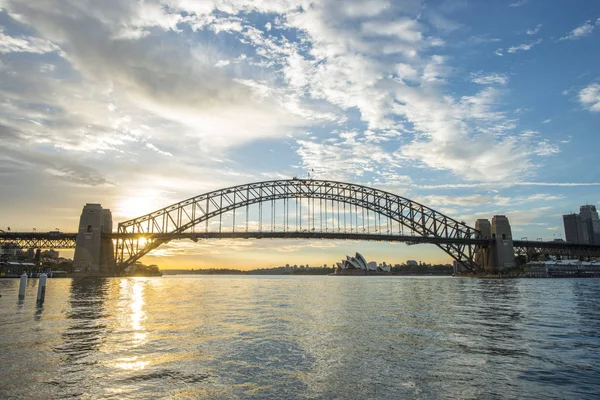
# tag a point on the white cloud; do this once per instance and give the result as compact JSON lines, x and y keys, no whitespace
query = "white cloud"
{"x":347,"y":156}
{"x":544,"y":148}
{"x":507,"y":184}
{"x":489,"y":79}
{"x":362,"y":9}
{"x":25,"y":44}
{"x":589,"y":97}
{"x":181,"y":83}
{"x":535,"y":30}
{"x":448,"y":125}
{"x":159,"y":151}
{"x":519,"y":3}
{"x":217,"y":98}
{"x":581,"y":31}
{"x":476,"y":200}
{"x":523,"y":47}
{"x":404,"y":29}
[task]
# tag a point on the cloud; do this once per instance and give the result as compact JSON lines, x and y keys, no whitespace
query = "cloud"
{"x":507,"y":184}
{"x":346,"y":157}
{"x":404,"y":29}
{"x":367,"y":81}
{"x":535,"y":30}
{"x":477,"y":200}
{"x":25,"y":44}
{"x":544,"y":148}
{"x":369,"y":8}
{"x":582,"y":31}
{"x":159,"y":151}
{"x":447,"y":124}
{"x":519,"y":3}
{"x":589,"y":97}
{"x":523,"y":47}
{"x":17,"y":155}
{"x":178,"y":83}
{"x":489,"y":79}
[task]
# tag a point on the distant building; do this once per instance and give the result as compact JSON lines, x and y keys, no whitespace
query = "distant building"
{"x":574,"y":231}
{"x":52,"y":254}
{"x":458,"y":267}
{"x":411,"y":263}
{"x":583,"y":228}
{"x":591,"y":222}
{"x":10,"y":249}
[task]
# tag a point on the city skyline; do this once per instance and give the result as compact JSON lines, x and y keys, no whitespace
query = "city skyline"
{"x":140,"y":105}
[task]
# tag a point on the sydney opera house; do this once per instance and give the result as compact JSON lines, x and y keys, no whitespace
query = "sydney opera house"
{"x":358,"y":265}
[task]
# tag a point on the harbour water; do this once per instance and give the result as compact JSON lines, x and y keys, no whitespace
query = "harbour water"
{"x":301,"y":337}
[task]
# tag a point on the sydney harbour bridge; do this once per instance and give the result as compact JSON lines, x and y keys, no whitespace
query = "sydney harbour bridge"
{"x":291,"y":209}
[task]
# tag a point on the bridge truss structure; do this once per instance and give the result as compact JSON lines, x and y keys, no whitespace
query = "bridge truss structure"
{"x":37,"y":240}
{"x":296,"y":208}
{"x":539,"y":250}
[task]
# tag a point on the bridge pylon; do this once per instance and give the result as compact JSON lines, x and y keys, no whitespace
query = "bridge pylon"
{"x":500,"y":255}
{"x":94,"y":254}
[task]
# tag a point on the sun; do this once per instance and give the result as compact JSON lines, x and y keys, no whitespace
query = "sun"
{"x":137,"y":205}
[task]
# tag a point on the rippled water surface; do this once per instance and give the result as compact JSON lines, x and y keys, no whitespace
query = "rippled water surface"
{"x":301,"y":337}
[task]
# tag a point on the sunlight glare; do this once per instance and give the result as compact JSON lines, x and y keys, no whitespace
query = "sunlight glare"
{"x":139,"y":204}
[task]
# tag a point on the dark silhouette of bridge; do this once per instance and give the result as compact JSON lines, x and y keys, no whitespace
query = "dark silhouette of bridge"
{"x":290,"y":209}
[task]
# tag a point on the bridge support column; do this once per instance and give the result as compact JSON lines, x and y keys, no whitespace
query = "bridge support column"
{"x":483,"y":254}
{"x":502,"y":251}
{"x":93,"y":254}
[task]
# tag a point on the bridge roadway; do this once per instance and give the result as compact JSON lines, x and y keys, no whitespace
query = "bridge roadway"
{"x":38,"y":240}
{"x":63,"y":240}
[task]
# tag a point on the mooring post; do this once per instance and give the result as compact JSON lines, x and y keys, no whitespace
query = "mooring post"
{"x":41,"y":288}
{"x":22,"y":286}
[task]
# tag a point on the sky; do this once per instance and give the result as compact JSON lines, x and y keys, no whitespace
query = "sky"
{"x":474,"y":108}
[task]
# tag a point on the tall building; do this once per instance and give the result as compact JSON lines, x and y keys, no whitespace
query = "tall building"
{"x":590,"y":221}
{"x":574,"y":229}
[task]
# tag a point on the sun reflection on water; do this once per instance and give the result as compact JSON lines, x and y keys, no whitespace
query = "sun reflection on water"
{"x":138,"y":315}
{"x":132,"y":320}
{"x":131,"y":364}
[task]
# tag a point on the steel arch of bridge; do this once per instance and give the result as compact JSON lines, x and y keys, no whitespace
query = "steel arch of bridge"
{"x":185,"y":215}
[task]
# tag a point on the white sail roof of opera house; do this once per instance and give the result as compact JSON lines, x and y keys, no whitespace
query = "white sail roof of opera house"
{"x":359,"y":262}
{"x":354,"y":262}
{"x":363,"y":262}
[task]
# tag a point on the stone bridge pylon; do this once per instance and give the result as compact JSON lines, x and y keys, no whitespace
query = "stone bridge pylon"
{"x":94,"y":254}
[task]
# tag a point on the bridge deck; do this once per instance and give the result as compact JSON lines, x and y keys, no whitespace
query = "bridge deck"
{"x":297,"y":235}
{"x":66,"y":240}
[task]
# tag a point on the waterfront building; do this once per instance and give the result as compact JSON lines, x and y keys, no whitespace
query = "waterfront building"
{"x":458,"y":267}
{"x":562,"y":269}
{"x":359,"y":264}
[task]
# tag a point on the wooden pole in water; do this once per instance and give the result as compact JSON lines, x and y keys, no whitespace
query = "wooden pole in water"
{"x":22,"y":286}
{"x":41,"y":288}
